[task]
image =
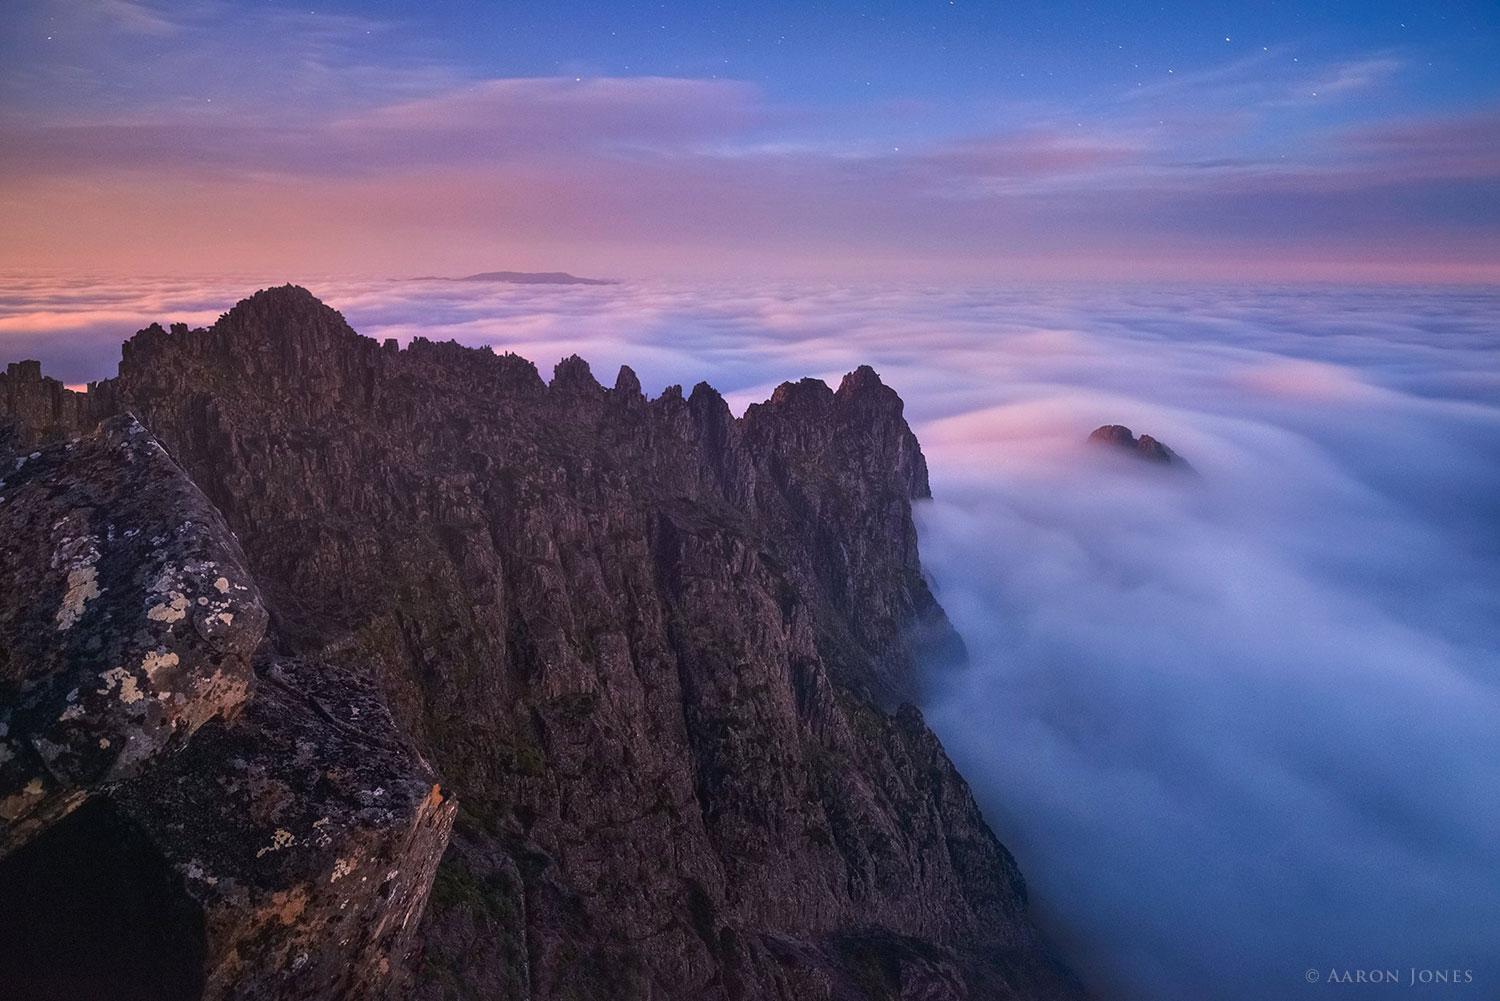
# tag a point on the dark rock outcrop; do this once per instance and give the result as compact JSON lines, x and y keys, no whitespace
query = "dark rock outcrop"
{"x":44,"y":407}
{"x":308,"y":832}
{"x":1145,"y":447}
{"x":127,"y":614}
{"x":293,"y":838}
{"x":659,"y":654}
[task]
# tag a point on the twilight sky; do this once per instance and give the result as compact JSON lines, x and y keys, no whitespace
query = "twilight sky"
{"x":1320,"y":140}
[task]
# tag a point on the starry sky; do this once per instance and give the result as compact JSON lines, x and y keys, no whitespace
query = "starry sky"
{"x":1198,"y":140}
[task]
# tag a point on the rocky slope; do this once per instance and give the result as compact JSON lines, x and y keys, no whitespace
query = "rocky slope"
{"x":657,"y":654}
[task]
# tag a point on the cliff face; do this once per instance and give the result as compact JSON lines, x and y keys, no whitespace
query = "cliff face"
{"x":654,"y":651}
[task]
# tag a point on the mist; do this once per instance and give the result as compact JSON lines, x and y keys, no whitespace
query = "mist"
{"x":1239,"y":727}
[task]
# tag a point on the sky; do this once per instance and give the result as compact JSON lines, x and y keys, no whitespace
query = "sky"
{"x":1321,"y":141}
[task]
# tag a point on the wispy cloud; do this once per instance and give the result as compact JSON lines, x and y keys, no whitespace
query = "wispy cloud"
{"x":129,"y":15}
{"x":1361,"y":74}
{"x":134,"y":61}
{"x":504,"y":118}
{"x":1342,"y":80}
{"x":1272,"y":78}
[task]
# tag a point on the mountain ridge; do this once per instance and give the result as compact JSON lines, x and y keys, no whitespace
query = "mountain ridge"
{"x":660,"y":655}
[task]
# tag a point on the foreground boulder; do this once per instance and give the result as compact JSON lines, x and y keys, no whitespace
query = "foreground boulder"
{"x":308,"y":831}
{"x":127,"y":615}
{"x":164,"y":833}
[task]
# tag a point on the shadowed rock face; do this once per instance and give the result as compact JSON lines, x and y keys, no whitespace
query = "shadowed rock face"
{"x":44,"y":407}
{"x":308,"y":832}
{"x":656,"y":651}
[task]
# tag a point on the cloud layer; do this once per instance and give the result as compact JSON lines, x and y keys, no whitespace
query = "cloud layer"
{"x":1235,"y":726}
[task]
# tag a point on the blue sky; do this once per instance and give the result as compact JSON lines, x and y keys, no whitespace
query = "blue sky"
{"x":1273,"y":140}
{"x":964,"y":51}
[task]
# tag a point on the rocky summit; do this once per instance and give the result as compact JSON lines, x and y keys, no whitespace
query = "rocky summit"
{"x":333,"y":669}
{"x":1146,"y":448}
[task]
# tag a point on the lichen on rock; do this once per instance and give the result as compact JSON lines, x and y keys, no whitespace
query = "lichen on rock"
{"x":95,"y":685}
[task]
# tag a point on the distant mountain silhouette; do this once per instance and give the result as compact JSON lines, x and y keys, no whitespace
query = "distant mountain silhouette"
{"x":522,"y":278}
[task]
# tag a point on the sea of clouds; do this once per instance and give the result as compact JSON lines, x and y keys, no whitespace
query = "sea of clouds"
{"x":1242,"y":727}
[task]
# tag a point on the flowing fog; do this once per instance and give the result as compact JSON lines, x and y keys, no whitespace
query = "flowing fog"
{"x":1236,"y":726}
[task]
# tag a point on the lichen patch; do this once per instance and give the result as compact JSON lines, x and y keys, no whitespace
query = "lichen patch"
{"x":170,"y":611}
{"x":156,"y":661}
{"x":129,"y":690}
{"x":83,"y":585}
{"x":283,"y":838}
{"x":17,"y":805}
{"x":287,"y":906}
